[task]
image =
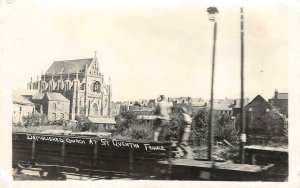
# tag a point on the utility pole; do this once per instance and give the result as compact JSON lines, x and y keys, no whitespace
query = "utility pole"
{"x":212,"y":11}
{"x":242,"y":117}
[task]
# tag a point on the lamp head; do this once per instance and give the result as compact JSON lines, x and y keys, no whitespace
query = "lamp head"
{"x":212,"y":12}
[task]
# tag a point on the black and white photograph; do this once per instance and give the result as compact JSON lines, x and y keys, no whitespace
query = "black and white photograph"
{"x":160,"y":91}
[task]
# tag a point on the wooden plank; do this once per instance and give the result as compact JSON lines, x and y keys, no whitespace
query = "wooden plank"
{"x":215,"y":165}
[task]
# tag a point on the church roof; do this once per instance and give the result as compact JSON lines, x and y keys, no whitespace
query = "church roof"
{"x":71,"y":66}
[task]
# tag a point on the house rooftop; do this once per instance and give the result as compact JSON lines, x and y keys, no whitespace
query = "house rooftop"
{"x":52,"y":96}
{"x":222,"y":106}
{"x":26,"y":92}
{"x":281,"y":96}
{"x":18,"y":99}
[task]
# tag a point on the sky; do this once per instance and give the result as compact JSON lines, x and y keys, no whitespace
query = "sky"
{"x":148,"y":47}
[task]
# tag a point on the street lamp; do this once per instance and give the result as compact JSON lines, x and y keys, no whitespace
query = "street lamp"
{"x":212,"y":11}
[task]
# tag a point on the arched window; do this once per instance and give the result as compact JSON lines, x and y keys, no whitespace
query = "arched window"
{"x":94,"y":110}
{"x":54,"y":106}
{"x":62,"y":116}
{"x":96,"y":87}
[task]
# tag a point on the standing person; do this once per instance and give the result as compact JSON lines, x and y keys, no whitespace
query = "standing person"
{"x":183,"y":147}
{"x":162,"y":111}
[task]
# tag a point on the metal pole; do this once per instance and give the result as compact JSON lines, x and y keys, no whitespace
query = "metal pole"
{"x":211,"y":123}
{"x":242,"y":118}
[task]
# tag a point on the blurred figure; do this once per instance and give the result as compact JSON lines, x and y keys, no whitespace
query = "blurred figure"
{"x":183,"y":148}
{"x":162,"y":112}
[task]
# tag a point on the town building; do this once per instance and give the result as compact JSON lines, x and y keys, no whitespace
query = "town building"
{"x":263,"y":119}
{"x":143,"y":111}
{"x":125,"y":106}
{"x":280,"y":102}
{"x":236,"y":105}
{"x":199,"y":104}
{"x":115,"y":108}
{"x":223,"y":107}
{"x":191,"y":104}
{"x":230,"y":107}
{"x":21,"y":108}
{"x":54,"y":105}
{"x":82,"y":83}
{"x":27,"y":93}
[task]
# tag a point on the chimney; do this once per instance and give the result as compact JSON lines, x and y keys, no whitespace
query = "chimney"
{"x":276,"y":94}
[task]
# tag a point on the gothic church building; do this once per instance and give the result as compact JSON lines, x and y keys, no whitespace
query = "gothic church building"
{"x":82,"y":83}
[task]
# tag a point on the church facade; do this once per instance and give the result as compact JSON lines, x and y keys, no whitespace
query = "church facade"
{"x":82,"y":83}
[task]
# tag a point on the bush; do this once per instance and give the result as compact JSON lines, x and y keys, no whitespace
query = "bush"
{"x":140,"y":132}
{"x":35,"y":120}
{"x":174,"y":129}
{"x":225,"y":129}
{"x":18,"y":124}
{"x":83,"y":123}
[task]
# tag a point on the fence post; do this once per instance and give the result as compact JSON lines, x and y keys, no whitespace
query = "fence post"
{"x":63,"y":151}
{"x":131,"y":160}
{"x":96,"y":154}
{"x":33,"y":149}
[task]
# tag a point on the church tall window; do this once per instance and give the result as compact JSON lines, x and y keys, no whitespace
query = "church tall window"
{"x":54,"y":106}
{"x":82,"y":86}
{"x":94,"y":110}
{"x":96,"y":87}
{"x":106,"y":102}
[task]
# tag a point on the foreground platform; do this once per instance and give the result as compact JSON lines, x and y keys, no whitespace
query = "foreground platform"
{"x":193,"y":169}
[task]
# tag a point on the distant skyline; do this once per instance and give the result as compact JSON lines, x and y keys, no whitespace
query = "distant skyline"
{"x":150,"y":48}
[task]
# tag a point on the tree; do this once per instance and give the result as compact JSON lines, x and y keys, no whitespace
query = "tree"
{"x":199,"y":134}
{"x":225,"y":129}
{"x":124,"y":121}
{"x":201,"y":119}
